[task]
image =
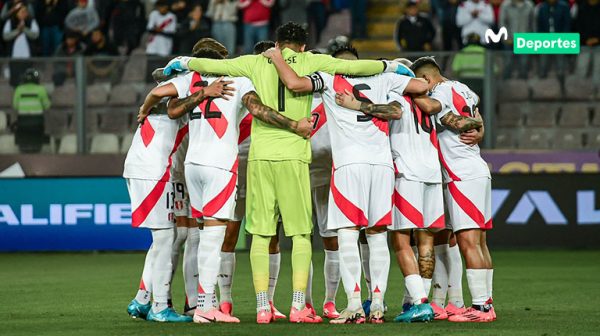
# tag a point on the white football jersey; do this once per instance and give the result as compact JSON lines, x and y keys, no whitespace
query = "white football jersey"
{"x":320,"y":167}
{"x":152,"y":147}
{"x":414,"y":143}
{"x":214,"y":124}
{"x":355,"y":136}
{"x":460,"y":161}
{"x":177,"y":168}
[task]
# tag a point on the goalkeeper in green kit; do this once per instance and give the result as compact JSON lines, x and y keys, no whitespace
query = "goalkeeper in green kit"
{"x":278,"y":176}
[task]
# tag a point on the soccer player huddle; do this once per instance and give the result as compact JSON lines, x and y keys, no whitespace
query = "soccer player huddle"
{"x":376,"y":148}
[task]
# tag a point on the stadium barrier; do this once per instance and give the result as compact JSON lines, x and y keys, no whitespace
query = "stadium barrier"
{"x":83,"y":214}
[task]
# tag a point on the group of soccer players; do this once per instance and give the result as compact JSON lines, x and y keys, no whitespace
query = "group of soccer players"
{"x":213,"y":150}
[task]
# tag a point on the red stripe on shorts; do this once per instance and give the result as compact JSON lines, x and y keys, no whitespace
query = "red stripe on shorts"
{"x":385,"y":220}
{"x":439,"y":223}
{"x":408,"y":210}
{"x":196,"y":213}
{"x":466,"y":205}
{"x":139,"y":215}
{"x":351,"y":211}
{"x":214,"y":205}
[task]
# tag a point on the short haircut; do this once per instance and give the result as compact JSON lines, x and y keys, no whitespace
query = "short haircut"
{"x":291,"y":33}
{"x":262,"y":46}
{"x":208,"y":53}
{"x":210,"y":43}
{"x":347,"y":48}
{"x":425,"y":61}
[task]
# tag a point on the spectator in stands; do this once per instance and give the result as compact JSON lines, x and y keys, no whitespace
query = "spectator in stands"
{"x":293,"y":10}
{"x":101,"y":68}
{"x":317,"y":19}
{"x":468,"y":65}
{"x":588,"y":25}
{"x":50,"y":15}
{"x":9,"y":9}
{"x":21,"y":33}
{"x":224,"y":16}
{"x":70,"y":47}
{"x":256,"y":15}
{"x":553,"y":16}
{"x":359,"y":18}
{"x":128,"y":22}
{"x":191,"y":29}
{"x":181,"y":9}
{"x":450,"y":31}
{"x":474,"y":17}
{"x":414,"y":30}
{"x":30,"y":100}
{"x":516,"y":16}
{"x":82,"y":19}
{"x":162,"y":25}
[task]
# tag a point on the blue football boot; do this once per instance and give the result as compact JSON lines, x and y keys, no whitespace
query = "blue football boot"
{"x":167,"y":315}
{"x":138,"y":310}
{"x":366,"y":305}
{"x":416,"y":313}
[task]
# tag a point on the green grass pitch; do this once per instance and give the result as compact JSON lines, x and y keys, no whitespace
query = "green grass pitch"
{"x":536,"y":293}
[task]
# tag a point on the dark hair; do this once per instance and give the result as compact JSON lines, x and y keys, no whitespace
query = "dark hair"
{"x":262,"y":46}
{"x":161,"y":3}
{"x":291,"y":32}
{"x":348,"y":48}
{"x":315,"y":51}
{"x":207,"y":53}
{"x":210,"y":43}
{"x":425,"y":61}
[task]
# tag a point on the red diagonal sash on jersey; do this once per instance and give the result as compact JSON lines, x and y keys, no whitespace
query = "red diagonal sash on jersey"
{"x":340,"y":84}
{"x":163,"y":25}
{"x":320,"y":118}
{"x":460,"y":104}
{"x":408,"y":210}
{"x":466,"y":205}
{"x":139,"y":215}
{"x":245,"y":128}
{"x":219,"y":125}
{"x":147,"y":132}
{"x":214,"y":205}
{"x":351,"y":211}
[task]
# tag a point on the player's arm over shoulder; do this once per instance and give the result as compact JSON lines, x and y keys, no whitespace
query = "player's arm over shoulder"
{"x":242,"y":66}
{"x":461,"y":123}
{"x":331,"y":65}
{"x":253,"y":103}
{"x":437,"y":101}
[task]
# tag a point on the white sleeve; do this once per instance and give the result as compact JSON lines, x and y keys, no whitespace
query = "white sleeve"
{"x":327,"y":82}
{"x":171,"y":27}
{"x":244,"y":86}
{"x":487,"y":15}
{"x":397,"y":83}
{"x":463,"y":16}
{"x":182,"y":84}
{"x":444,"y":97}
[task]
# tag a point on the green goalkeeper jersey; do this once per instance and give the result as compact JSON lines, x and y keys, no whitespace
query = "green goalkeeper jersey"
{"x":270,"y":142}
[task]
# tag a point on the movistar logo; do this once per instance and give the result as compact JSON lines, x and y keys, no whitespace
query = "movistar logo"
{"x":490,"y":35}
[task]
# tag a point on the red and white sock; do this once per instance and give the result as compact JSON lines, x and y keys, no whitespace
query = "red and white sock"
{"x":226,"y":275}
{"x":190,"y":265}
{"x":489,"y":283}
{"x":440,"y":275}
{"x":477,"y":280}
{"x":365,"y":257}
{"x":350,"y":266}
{"x":331,"y":271}
{"x":455,"y":272}
{"x":379,"y":261}
{"x":144,"y":293}
{"x":209,"y":262}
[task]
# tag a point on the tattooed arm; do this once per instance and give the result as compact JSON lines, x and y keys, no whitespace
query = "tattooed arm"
{"x":302,"y":127}
{"x":217,"y":89}
{"x":389,"y":111}
{"x":460,"y":123}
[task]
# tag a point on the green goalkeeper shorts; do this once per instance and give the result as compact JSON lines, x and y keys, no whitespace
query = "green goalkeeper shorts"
{"x":276,"y":188}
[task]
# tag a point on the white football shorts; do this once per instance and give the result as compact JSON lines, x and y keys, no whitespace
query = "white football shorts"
{"x":469,"y":204}
{"x":152,"y":203}
{"x":212,"y":191}
{"x":418,"y":205}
